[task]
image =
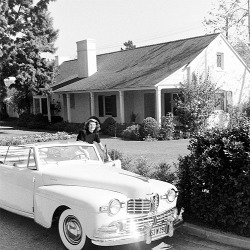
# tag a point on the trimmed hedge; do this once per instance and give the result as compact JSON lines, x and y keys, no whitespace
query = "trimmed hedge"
{"x":214,"y":179}
{"x":149,"y":128}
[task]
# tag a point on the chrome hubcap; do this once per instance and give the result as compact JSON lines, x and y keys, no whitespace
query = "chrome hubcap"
{"x":72,"y":230}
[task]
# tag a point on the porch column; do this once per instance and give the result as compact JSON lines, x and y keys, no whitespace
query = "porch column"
{"x":121,"y":100}
{"x":158,"y":105}
{"x":92,"y":104}
{"x":48,"y":108}
{"x":68,"y":108}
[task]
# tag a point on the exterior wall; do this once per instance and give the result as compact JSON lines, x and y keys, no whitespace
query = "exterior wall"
{"x":234,"y":76}
{"x":81,"y":111}
{"x":134,"y":102}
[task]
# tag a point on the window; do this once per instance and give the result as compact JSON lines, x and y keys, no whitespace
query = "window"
{"x":44,"y":106}
{"x":220,"y":60}
{"x":40,"y":105}
{"x":224,"y":100}
{"x":170,"y":102}
{"x":37,"y":106}
{"x":220,"y":98}
{"x":107,"y":105}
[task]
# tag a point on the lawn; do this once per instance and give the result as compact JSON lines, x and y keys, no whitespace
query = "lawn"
{"x":153,"y":151}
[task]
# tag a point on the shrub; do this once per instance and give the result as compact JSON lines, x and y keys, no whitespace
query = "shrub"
{"x":55,"y":119}
{"x":214,"y":179}
{"x":116,"y":129}
{"x":149,"y":127}
{"x":167,"y":128}
{"x":108,"y":126}
{"x":131,"y":133}
{"x":24,"y":119}
{"x":164,"y":172}
{"x":38,"y":121}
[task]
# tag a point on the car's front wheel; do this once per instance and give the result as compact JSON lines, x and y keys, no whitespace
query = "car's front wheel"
{"x":71,"y":231}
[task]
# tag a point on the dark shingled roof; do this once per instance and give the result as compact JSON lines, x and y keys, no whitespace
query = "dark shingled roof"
{"x":142,"y":67}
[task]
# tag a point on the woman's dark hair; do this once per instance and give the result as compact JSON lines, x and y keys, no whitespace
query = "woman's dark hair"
{"x":96,"y":120}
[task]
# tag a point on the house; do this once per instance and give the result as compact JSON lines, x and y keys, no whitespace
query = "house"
{"x":143,"y":81}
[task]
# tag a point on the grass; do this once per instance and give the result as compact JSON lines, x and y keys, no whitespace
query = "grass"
{"x":153,"y":151}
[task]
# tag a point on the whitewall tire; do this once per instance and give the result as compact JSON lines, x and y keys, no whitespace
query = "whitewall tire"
{"x":71,"y":231}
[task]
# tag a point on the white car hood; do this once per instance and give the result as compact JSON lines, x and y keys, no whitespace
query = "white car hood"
{"x":99,"y":176}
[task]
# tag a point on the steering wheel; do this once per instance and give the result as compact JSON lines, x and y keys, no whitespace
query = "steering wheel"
{"x":79,"y":156}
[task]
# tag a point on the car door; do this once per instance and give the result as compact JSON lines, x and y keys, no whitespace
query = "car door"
{"x":17,"y":181}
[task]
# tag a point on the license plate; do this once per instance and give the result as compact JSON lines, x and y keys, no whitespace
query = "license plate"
{"x":160,"y":230}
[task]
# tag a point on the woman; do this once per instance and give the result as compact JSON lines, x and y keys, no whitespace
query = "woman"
{"x":90,"y":132}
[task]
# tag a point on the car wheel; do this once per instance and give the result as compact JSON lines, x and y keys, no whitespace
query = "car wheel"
{"x":71,"y":231}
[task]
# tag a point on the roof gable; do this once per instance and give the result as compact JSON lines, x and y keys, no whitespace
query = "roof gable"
{"x":142,"y":67}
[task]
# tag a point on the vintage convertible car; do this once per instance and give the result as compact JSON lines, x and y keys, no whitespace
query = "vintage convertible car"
{"x":92,"y":201}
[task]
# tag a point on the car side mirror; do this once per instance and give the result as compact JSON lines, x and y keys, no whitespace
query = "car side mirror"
{"x":114,"y":163}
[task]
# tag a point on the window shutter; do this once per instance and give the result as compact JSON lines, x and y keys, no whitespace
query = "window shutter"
{"x":100,"y":105}
{"x":113,"y":105}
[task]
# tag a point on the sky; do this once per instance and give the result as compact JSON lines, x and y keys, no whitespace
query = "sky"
{"x":113,"y":22}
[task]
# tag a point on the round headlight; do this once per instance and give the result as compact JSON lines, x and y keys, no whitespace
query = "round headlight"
{"x":171,"y":195}
{"x":114,"y":207}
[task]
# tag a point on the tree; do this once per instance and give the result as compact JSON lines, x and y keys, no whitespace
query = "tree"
{"x":231,"y":17}
{"x":129,"y":45}
{"x":195,"y":101}
{"x":26,"y":30}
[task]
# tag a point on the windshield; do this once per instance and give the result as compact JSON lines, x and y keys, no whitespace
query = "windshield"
{"x":57,"y":154}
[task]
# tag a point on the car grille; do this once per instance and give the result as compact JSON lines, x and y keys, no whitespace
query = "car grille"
{"x":138,"y":224}
{"x":143,"y":206}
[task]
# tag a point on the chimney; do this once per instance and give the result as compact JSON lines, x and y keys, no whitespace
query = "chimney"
{"x":86,"y":58}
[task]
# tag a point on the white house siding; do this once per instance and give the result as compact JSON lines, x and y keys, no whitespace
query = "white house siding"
{"x":81,"y":111}
{"x":233,"y":75}
{"x":134,"y":102}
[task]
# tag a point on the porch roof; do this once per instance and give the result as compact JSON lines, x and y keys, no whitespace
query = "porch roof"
{"x":142,"y":67}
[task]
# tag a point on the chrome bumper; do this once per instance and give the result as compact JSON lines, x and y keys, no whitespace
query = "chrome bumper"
{"x":138,"y":229}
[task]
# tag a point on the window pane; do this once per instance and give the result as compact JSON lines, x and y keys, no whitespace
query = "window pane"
{"x":219,"y":101}
{"x":37,"y":106}
{"x":108,"y":106}
{"x":113,"y":105}
{"x":219,"y":62}
{"x":100,"y":105}
{"x":44,"y":106}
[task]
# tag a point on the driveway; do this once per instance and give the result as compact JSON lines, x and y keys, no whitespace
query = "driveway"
{"x":20,"y":233}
